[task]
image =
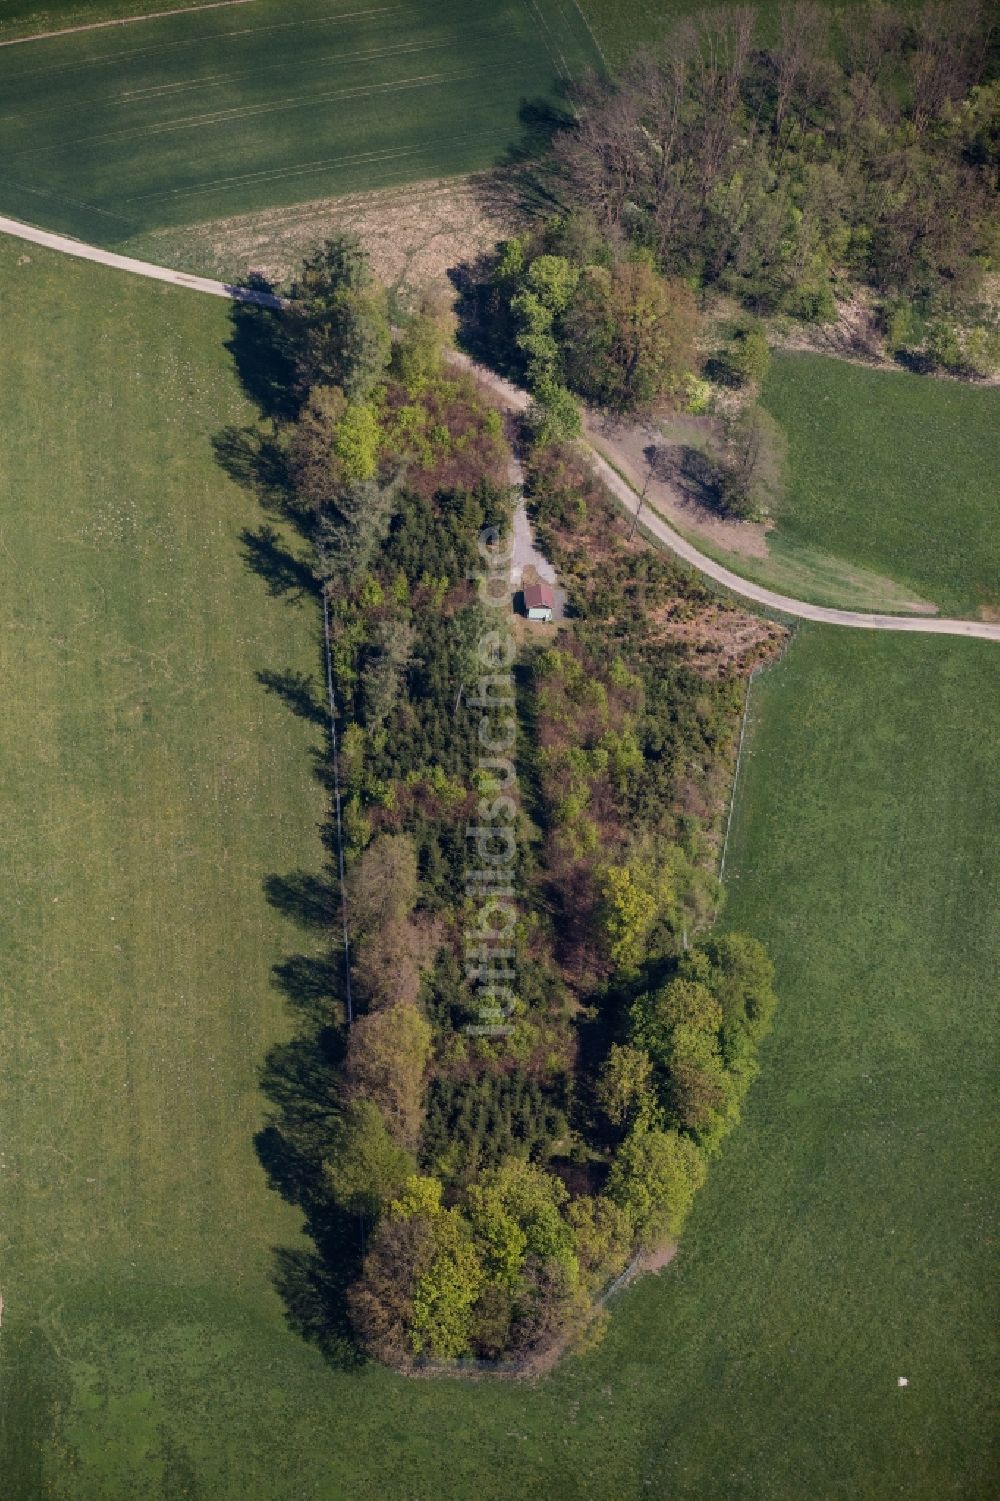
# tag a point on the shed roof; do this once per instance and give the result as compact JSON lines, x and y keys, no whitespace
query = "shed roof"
{"x":539,"y":597}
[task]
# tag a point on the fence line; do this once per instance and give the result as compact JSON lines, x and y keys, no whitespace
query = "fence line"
{"x":736,"y":773}
{"x":622,"y":1280}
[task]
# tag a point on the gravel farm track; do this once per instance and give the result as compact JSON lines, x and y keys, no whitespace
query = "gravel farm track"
{"x":516,"y":400}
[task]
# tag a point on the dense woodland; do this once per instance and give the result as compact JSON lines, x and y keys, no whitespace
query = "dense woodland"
{"x":778,"y":173}
{"x":500,"y":1177}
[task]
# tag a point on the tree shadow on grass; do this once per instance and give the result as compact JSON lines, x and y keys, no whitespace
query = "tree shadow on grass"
{"x":312,"y":901}
{"x":298,"y":691}
{"x":540,"y":119}
{"x":262,"y":354}
{"x":299,"y":1076}
{"x":286,"y":575}
{"x":312,"y":1285}
{"x":299,"y":1080}
{"x":310,"y":983}
{"x":255,"y":459}
{"x":254,"y":455}
{"x":312,"y":1281}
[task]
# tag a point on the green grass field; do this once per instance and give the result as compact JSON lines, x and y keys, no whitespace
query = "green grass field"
{"x":891,"y":496}
{"x":148,"y":786}
{"x":892,"y":472}
{"x":107,"y":134}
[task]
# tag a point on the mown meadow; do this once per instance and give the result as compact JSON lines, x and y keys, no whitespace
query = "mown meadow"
{"x":151,"y":784}
{"x":891,"y":472}
{"x":888,"y":500}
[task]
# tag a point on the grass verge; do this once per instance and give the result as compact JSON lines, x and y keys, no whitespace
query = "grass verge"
{"x":24,"y":18}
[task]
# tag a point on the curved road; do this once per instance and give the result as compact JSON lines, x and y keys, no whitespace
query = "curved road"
{"x":516,"y":400}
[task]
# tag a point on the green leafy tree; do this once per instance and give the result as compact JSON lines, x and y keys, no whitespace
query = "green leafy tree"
{"x":445,"y":1295}
{"x":554,"y":416}
{"x":697,"y":1088}
{"x":603,"y":1235}
{"x":643,"y":902}
{"x":626,"y":1091}
{"x":534,"y":1200}
{"x":501,"y":1241}
{"x":654,"y":1179}
{"x":553,"y":279}
{"x":418,"y":354}
{"x":629,"y":336}
{"x":748,"y":358}
{"x":338,"y":321}
{"x":628,"y":911}
{"x":445,"y":1292}
{"x":684,"y":1002}
{"x":679,"y":1028}
{"x":538,"y":292}
{"x":741,"y":977}
{"x":536,"y":338}
{"x":356,"y":442}
{"x":366,"y":1168}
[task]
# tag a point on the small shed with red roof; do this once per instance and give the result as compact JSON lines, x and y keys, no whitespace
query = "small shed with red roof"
{"x":539,"y":601}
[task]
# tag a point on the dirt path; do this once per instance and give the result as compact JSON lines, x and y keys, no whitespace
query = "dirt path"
{"x":117,"y":262}
{"x":516,"y":400}
{"x":152,"y":15}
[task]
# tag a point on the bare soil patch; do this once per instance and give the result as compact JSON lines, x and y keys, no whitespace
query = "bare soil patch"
{"x":414,"y":234}
{"x":855,"y":335}
{"x":625,"y":444}
{"x":655,"y":1261}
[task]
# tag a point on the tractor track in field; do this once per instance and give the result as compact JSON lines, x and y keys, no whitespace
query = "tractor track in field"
{"x":516,"y":400}
{"x":152,"y":15}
